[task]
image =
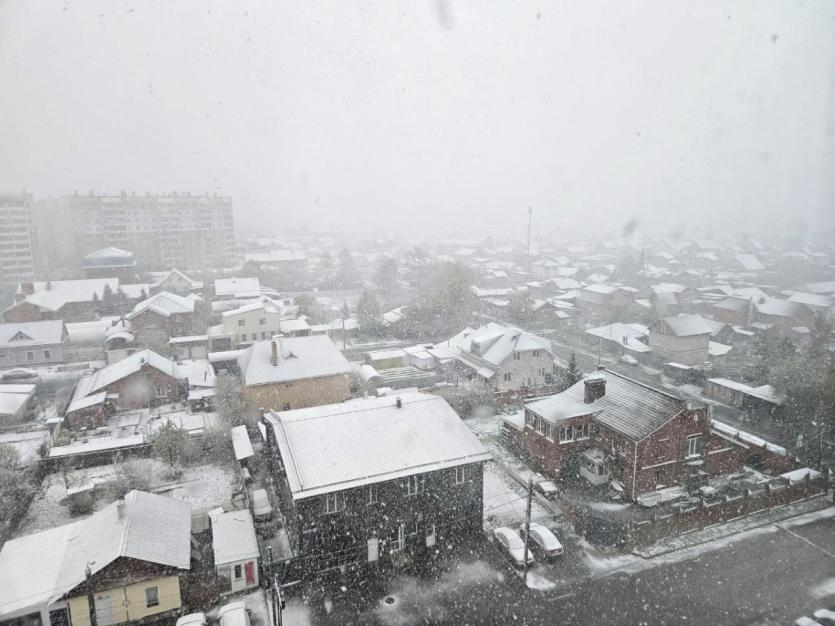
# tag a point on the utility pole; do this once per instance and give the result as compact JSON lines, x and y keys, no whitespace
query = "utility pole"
{"x":530,"y":221}
{"x":91,"y":604}
{"x":528,"y":524}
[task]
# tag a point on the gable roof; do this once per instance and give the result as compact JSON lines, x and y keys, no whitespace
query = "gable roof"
{"x":145,"y":526}
{"x":52,"y":295}
{"x":341,"y":446}
{"x":233,"y":537}
{"x":249,"y":286}
{"x":685,"y":325}
{"x":312,"y":356}
{"x":109,"y":253}
{"x":175,"y":273}
{"x":495,"y":343}
{"x":164,"y":303}
{"x":32,"y":333}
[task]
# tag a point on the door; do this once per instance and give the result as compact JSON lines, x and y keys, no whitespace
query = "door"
{"x":104,"y":609}
{"x":249,"y":573}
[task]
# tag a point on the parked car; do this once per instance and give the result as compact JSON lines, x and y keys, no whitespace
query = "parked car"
{"x":19,"y":373}
{"x":544,"y":540}
{"x":629,"y":359}
{"x":193,"y":619}
{"x":548,"y":489}
{"x":825,"y":616}
{"x":233,"y":614}
{"x":512,"y":546}
{"x":262,"y":510}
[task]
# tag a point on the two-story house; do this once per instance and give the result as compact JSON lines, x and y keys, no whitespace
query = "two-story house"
{"x":285,"y":373}
{"x":376,"y":478}
{"x":257,"y":320}
{"x":503,"y":357}
{"x":165,"y":313}
{"x":133,"y":557}
{"x":682,"y":339}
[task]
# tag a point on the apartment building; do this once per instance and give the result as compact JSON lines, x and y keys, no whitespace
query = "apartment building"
{"x":18,"y":239}
{"x":162,"y":230}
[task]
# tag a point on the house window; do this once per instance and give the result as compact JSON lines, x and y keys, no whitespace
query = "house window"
{"x":46,"y":355}
{"x":460,"y":474}
{"x":566,"y":434}
{"x":264,"y":335}
{"x":161,"y":392}
{"x":151,"y":596}
{"x":583,"y":431}
{"x":507,"y":377}
{"x":262,"y":321}
{"x":334,"y":502}
{"x":694,"y":445}
{"x":517,"y":356}
{"x":286,"y":406}
{"x":372,"y":494}
{"x":30,"y":356}
{"x":414,"y":485}
{"x":530,"y":419}
{"x":549,"y":431}
{"x":536,"y":354}
{"x":237,"y":572}
{"x":241,"y":323}
{"x":540,"y":426}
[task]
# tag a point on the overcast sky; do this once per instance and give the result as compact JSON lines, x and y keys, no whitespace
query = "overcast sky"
{"x":416,"y":115}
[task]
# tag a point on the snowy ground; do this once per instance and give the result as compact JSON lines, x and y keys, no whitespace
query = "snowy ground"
{"x":505,"y":501}
{"x":27,"y":444}
{"x":204,"y":486}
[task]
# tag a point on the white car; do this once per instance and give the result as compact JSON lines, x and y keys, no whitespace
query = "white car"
{"x":544,"y":540}
{"x":512,"y":546}
{"x":233,"y":614}
{"x":548,"y":489}
{"x":192,"y":619}
{"x":629,"y":359}
{"x":262,"y":510}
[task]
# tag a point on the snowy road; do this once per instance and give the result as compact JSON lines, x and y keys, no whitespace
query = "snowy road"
{"x":771,"y":575}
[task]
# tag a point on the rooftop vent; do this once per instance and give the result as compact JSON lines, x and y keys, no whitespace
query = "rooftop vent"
{"x":595,"y":388}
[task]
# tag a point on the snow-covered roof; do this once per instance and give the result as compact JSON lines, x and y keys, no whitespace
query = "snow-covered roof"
{"x":560,"y":407}
{"x":110,"y":253}
{"x":52,"y":295}
{"x":715,"y":349}
{"x":749,"y":262}
{"x":250,"y":286}
{"x":161,"y":278}
{"x":776,"y":307}
{"x":812,"y":300}
{"x":165,"y":304}
{"x":241,"y":443}
{"x":627,"y":335}
{"x":46,"y":332}
{"x":341,"y":446}
{"x":313,"y":356}
{"x":265,"y":303}
{"x":763,"y":392}
{"x":145,"y":526}
{"x":233,"y":537}
{"x":799,"y":475}
{"x":746,"y":437}
{"x":294,"y":325}
{"x":495,"y":343}
{"x":14,"y":397}
{"x":685,"y":325}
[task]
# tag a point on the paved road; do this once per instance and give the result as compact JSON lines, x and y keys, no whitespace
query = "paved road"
{"x":768,"y":576}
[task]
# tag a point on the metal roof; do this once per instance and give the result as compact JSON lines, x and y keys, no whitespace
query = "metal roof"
{"x":341,"y":446}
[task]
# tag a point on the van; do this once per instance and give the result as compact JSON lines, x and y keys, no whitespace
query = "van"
{"x":262,"y":510}
{"x":233,"y":614}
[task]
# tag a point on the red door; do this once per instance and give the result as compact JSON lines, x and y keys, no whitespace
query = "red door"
{"x":249,"y":572}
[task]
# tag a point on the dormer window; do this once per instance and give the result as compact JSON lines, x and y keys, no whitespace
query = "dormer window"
{"x":21,"y":336}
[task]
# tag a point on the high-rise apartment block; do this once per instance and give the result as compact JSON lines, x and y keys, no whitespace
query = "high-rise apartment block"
{"x":18,"y":239}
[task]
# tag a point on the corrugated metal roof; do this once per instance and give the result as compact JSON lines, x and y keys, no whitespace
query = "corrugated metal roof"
{"x":340,"y":446}
{"x":233,"y":537}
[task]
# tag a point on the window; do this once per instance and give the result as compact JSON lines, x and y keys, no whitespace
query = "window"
{"x":549,"y":431}
{"x":262,"y":321}
{"x":334,"y":502}
{"x":372,"y":494}
{"x":566,"y":434}
{"x":241,"y":323}
{"x":694,"y":445}
{"x":264,"y":335}
{"x":30,"y":356}
{"x":517,"y":356}
{"x":540,"y":426}
{"x":286,"y":406}
{"x":237,"y":572}
{"x":460,"y":474}
{"x":152,"y":596}
{"x":535,"y":354}
{"x":46,"y":355}
{"x":414,"y":485}
{"x":582,"y":432}
{"x":507,"y":377}
{"x":161,"y":392}
{"x":530,"y":419}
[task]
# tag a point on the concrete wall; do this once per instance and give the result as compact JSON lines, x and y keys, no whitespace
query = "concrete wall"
{"x":251,"y":325}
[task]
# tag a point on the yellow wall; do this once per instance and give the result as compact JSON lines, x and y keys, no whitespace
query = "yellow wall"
{"x":301,"y":394}
{"x":129,"y":602}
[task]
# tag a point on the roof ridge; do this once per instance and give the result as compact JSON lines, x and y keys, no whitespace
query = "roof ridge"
{"x":361,"y":409}
{"x":645,"y":385}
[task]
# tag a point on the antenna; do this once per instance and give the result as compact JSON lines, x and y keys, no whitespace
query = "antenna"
{"x":530,"y":221}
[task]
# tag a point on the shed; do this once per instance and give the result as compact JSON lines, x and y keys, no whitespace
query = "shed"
{"x":236,"y":550}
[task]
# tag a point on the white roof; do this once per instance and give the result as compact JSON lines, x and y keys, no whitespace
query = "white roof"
{"x":340,"y":446}
{"x":97,"y":444}
{"x":749,"y":262}
{"x":238,"y":286}
{"x":560,"y":407}
{"x":798,"y":475}
{"x":12,"y":402}
{"x":687,"y":325}
{"x":162,"y":277}
{"x":109,"y":252}
{"x":165,"y":304}
{"x":627,"y":335}
{"x":300,"y":357}
{"x":47,"y":332}
{"x":294,"y":325}
{"x":241,"y":443}
{"x":763,"y":392}
{"x":495,"y":343}
{"x":265,"y":303}
{"x":52,"y":295}
{"x":146,"y":527}
{"x":233,"y":537}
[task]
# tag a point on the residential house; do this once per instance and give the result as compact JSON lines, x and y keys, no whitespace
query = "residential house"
{"x":175,"y":281}
{"x":670,"y":298}
{"x":503,"y":357}
{"x":734,"y":310}
{"x":403,"y":474}
{"x":683,"y":339}
{"x":235,"y":550}
{"x":257,"y":320}
{"x":761,"y":401}
{"x":237,"y":288}
{"x":610,"y":427}
{"x":622,"y":338}
{"x":286,"y":373}
{"x":110,"y":262}
{"x":603,"y":300}
{"x":32,"y":343}
{"x":133,"y":557}
{"x":783,"y":314}
{"x":165,"y":313}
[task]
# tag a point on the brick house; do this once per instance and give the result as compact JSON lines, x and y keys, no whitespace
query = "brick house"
{"x":166,"y":313}
{"x":403,"y":474}
{"x":138,"y":551}
{"x":608,"y":426}
{"x":286,"y":373}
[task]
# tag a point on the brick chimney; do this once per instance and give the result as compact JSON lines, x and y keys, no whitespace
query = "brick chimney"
{"x":274,"y":352}
{"x":27,"y":288}
{"x":595,"y":387}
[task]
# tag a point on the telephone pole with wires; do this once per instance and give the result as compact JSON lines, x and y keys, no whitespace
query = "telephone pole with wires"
{"x":528,"y":525}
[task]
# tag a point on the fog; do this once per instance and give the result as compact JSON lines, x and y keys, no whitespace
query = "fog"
{"x":430,"y":116}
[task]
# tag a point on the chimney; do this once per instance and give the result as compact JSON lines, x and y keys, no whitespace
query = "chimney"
{"x":274,"y":350}
{"x":595,"y":387}
{"x":398,"y":403}
{"x":27,"y":288}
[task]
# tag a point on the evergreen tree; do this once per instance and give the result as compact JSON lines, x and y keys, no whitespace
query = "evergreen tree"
{"x":572,"y":373}
{"x":386,"y":277}
{"x":369,"y":313}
